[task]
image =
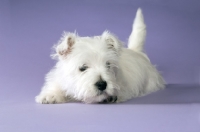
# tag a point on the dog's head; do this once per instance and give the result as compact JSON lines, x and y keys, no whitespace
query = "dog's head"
{"x":89,"y":66}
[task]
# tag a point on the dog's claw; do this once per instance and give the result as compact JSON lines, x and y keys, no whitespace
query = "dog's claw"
{"x":110,"y":99}
{"x":115,"y":99}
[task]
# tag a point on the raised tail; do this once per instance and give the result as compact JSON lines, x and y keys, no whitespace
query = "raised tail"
{"x":138,"y":34}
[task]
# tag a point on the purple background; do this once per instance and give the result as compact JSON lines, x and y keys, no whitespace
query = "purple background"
{"x":29,"y":28}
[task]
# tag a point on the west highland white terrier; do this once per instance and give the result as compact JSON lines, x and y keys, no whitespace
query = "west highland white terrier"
{"x":99,"y":70}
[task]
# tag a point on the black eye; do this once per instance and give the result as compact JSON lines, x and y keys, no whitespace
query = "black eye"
{"x":108,"y":64}
{"x":83,"y":68}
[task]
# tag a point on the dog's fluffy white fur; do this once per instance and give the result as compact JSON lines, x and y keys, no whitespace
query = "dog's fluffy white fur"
{"x":121,"y":73}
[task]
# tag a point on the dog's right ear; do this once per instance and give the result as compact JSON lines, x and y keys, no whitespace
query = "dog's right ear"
{"x":112,"y":41}
{"x":65,"y":45}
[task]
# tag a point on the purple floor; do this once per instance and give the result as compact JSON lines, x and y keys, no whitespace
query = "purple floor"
{"x":28,"y":30}
{"x":175,"y":109}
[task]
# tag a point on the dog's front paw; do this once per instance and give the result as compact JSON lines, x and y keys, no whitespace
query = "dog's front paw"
{"x":49,"y":98}
{"x":110,"y":99}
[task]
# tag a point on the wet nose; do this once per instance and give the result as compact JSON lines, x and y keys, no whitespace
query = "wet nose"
{"x":101,"y":85}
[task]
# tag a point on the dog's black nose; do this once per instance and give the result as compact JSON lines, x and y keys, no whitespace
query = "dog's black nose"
{"x":101,"y":85}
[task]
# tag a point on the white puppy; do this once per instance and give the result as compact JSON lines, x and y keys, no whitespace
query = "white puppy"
{"x":98,"y":69}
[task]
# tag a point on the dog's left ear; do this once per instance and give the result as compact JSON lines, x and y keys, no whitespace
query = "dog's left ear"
{"x":112,"y":41}
{"x":65,"y":45}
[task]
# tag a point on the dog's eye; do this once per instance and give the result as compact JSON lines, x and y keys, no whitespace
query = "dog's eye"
{"x":108,"y":64}
{"x":83,"y":68}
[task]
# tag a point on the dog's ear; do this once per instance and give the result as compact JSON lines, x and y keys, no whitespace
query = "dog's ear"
{"x":112,"y":41}
{"x":65,"y":45}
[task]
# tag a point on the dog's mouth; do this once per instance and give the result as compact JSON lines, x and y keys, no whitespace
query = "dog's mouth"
{"x":109,"y":99}
{"x":102,"y":98}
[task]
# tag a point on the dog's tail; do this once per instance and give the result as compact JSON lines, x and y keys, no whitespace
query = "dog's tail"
{"x":138,"y":34}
